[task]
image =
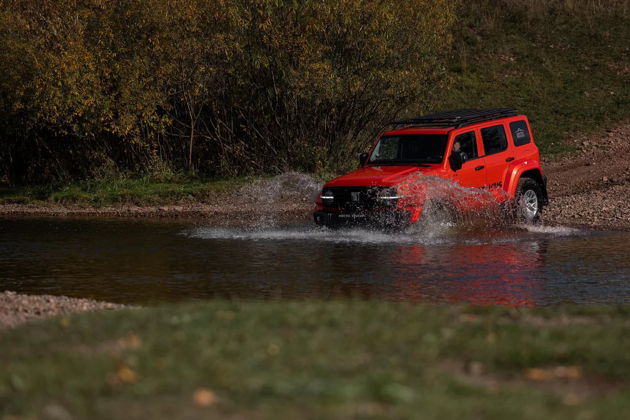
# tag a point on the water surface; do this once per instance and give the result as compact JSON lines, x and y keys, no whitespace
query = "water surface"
{"x":143,"y":262}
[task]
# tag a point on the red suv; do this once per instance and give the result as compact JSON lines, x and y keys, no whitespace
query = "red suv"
{"x":491,"y":151}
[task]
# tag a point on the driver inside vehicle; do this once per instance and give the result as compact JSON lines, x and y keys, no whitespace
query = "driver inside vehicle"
{"x":457,"y":148}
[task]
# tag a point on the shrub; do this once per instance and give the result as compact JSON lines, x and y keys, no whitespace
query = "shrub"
{"x":219,"y":87}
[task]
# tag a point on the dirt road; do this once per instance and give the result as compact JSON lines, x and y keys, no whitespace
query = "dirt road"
{"x":591,"y":187}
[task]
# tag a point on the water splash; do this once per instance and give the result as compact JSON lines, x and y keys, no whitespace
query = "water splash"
{"x":376,"y":237}
{"x":266,"y":202}
{"x":451,"y":214}
{"x":354,"y":235}
{"x":447,"y":209}
{"x":286,"y":187}
{"x":552,"y":230}
{"x":447,"y":205}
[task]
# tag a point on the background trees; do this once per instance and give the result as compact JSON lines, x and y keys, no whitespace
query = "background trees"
{"x":229,"y":87}
{"x":218,"y":87}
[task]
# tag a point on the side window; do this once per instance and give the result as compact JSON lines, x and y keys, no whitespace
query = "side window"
{"x":467,"y":144}
{"x":494,"y":139}
{"x":520,"y":133}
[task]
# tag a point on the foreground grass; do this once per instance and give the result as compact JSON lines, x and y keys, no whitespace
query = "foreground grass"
{"x":123,"y":190}
{"x":320,"y":360}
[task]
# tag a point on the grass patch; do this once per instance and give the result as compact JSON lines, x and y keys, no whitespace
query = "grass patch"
{"x":124,"y":190}
{"x":321,"y":360}
{"x":564,"y":64}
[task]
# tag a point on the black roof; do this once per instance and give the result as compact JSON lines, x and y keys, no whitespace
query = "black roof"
{"x":456,"y":118}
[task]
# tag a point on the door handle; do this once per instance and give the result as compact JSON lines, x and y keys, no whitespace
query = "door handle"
{"x":510,"y":159}
{"x":478,"y":168}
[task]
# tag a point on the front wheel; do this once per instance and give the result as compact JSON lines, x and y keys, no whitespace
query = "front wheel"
{"x":528,"y":201}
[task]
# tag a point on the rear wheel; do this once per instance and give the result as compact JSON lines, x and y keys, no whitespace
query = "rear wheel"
{"x":528,"y":201}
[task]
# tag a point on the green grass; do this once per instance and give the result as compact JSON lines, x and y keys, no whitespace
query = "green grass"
{"x":123,"y":190}
{"x":565,"y":64}
{"x":321,"y":360}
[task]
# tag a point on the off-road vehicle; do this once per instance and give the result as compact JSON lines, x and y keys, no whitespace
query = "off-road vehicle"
{"x":491,"y":150}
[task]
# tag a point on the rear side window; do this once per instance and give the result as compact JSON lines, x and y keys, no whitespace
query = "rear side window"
{"x":468,"y":145}
{"x":520,"y":133}
{"x":494,"y":139}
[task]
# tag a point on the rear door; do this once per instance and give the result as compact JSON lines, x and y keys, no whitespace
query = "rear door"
{"x":497,"y":156}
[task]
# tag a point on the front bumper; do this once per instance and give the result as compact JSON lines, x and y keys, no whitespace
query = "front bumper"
{"x":386,"y":219}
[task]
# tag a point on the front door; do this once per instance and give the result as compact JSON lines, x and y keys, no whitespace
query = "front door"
{"x":473,"y":171}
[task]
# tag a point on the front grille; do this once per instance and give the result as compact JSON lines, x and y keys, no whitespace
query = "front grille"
{"x":357,"y":199}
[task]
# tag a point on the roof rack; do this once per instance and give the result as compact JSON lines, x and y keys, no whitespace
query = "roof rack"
{"x":456,"y":118}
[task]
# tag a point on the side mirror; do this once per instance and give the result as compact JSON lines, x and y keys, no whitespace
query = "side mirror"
{"x":363,"y":157}
{"x":456,"y":161}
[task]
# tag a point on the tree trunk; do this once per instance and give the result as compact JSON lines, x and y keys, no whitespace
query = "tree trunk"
{"x":190,"y":146}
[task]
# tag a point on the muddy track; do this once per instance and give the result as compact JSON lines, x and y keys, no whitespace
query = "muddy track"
{"x":591,"y":187}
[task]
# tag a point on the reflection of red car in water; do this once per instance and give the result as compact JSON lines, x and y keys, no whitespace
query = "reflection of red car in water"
{"x":491,"y":150}
{"x":498,"y":270}
{"x":496,"y":274}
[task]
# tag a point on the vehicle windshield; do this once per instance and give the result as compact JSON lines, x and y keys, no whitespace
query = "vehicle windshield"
{"x":409,"y":149}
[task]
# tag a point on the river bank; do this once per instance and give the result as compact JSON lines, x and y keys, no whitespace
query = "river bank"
{"x":587,"y":188}
{"x":17,"y":309}
{"x":591,"y":186}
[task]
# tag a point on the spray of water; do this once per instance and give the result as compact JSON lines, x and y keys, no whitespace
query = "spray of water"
{"x":310,"y":234}
{"x":551,"y":230}
{"x":448,"y":206}
{"x":270,"y":202}
{"x":449,"y":212}
{"x":287,"y":187}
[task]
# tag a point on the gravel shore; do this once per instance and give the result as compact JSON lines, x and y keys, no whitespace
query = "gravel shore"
{"x":591,"y":186}
{"x":222,"y":214}
{"x":16,"y":309}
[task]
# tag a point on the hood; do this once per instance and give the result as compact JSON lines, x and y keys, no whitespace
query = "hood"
{"x":385,"y":176}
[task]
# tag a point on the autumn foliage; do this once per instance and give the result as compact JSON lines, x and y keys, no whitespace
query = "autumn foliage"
{"x":219,"y":87}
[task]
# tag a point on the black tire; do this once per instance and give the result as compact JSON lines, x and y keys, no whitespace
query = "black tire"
{"x":528,"y":201}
